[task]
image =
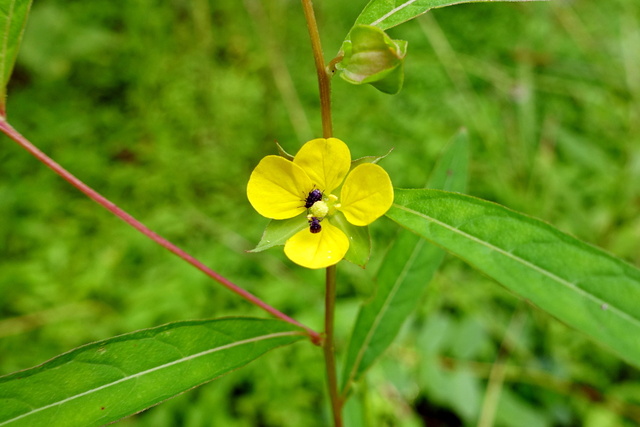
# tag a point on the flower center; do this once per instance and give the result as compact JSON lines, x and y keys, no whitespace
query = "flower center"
{"x":314,"y":224}
{"x":319,"y":207}
{"x":315,"y":195}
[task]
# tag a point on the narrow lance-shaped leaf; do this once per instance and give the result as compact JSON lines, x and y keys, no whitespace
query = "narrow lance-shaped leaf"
{"x":102,"y":382}
{"x":402,"y":278}
{"x":579,"y":284}
{"x":386,"y":14}
{"x":13,"y":17}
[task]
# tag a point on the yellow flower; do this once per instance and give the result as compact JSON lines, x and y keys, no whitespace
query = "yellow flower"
{"x":315,"y":182}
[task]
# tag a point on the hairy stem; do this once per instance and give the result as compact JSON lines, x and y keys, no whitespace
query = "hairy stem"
{"x":328,"y":347}
{"x":324,"y":82}
{"x":104,"y":202}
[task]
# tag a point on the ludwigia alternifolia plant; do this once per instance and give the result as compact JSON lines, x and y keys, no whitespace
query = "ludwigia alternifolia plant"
{"x":321,"y":201}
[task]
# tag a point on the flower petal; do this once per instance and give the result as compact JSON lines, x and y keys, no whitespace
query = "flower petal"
{"x":326,"y":161}
{"x":277,"y":188}
{"x":366,"y":195}
{"x":317,"y":250}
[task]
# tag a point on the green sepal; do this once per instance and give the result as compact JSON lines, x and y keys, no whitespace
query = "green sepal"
{"x":359,"y":240}
{"x":282,"y":152}
{"x":368,"y":159}
{"x":278,"y":232}
{"x":371,"y":56}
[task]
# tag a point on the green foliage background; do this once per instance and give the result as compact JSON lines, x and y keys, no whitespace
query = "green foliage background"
{"x":165,"y":108}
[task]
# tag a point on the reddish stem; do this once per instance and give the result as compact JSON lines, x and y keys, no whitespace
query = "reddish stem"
{"x":324,"y":84}
{"x":101,"y":200}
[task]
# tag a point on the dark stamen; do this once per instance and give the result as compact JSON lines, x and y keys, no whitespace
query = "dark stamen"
{"x":315,"y":195}
{"x":314,"y":225}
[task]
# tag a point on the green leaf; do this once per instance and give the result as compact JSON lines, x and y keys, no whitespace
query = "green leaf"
{"x":355,"y":411}
{"x":279,"y":231}
{"x":105,"y":381}
{"x":408,"y":267}
{"x":452,"y":170}
{"x":13,"y":17}
{"x":579,"y":284}
{"x":387,"y":13}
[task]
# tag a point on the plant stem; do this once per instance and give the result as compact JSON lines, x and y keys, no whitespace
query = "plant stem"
{"x":324,"y":83}
{"x":104,"y":202}
{"x":328,"y":347}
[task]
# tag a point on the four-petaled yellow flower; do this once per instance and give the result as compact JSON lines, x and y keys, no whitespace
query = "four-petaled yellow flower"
{"x":315,"y":182}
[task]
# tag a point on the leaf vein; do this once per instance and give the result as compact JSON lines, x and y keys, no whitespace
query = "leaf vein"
{"x":392,"y":11}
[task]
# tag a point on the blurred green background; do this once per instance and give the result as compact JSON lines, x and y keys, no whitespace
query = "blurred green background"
{"x":165,"y":108}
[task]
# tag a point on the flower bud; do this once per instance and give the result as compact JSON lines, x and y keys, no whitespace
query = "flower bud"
{"x":371,"y":56}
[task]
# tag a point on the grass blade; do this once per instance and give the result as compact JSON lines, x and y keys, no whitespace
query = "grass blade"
{"x":13,"y":17}
{"x":579,"y":284}
{"x":105,"y":381}
{"x":407,"y":269}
